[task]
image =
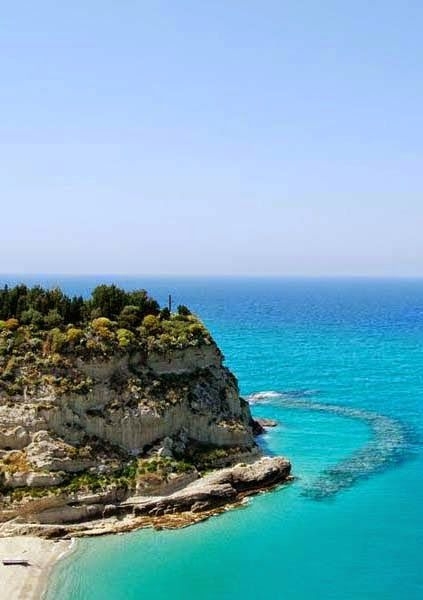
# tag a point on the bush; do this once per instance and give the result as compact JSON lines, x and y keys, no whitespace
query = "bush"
{"x":11,"y":324}
{"x":130,"y":317}
{"x":32,"y":317}
{"x":125,"y":338}
{"x":183,"y":310}
{"x":101,"y":323}
{"x":74,"y":335}
{"x":57,"y":339}
{"x":109,"y":300}
{"x":165,"y":314}
{"x":53,"y":319}
{"x":165,"y":341}
{"x":196,"y":330}
{"x":151,"y":323}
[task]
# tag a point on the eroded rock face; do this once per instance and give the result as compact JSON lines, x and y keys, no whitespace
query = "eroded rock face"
{"x":14,"y":438}
{"x":135,"y":401}
{"x":50,"y":454}
{"x":186,"y":360}
{"x":32,"y":479}
{"x":200,"y":396}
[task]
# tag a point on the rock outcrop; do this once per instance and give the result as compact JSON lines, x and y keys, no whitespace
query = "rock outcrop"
{"x":104,"y":513}
{"x":221,"y":487}
{"x":139,"y":435}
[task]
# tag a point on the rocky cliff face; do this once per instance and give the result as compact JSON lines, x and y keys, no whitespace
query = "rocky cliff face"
{"x":185,"y":397}
{"x":132,"y":449}
{"x":136,"y":403}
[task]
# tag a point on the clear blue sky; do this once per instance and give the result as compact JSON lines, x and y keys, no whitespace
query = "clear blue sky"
{"x":212,"y":137}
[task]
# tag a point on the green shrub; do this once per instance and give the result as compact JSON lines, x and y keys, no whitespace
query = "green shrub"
{"x":53,"y":319}
{"x":125,"y":338}
{"x":165,"y":314}
{"x":74,"y":335}
{"x":130,"y":317}
{"x":151,"y":323}
{"x":57,"y":339}
{"x":101,"y":323}
{"x":32,"y":317}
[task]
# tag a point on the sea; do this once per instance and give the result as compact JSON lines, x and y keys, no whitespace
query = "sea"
{"x":338,"y":363}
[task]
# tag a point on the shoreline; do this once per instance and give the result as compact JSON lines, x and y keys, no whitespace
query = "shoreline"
{"x":43,"y":544}
{"x":30,"y":582}
{"x":41,"y":587}
{"x":106,"y":512}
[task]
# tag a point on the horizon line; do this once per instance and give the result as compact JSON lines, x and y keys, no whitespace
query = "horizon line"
{"x":212,"y":275}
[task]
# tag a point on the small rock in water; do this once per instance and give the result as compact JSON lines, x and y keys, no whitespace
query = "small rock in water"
{"x":267,"y":422}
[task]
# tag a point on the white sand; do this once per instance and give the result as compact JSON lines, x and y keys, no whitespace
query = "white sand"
{"x":28,"y":583}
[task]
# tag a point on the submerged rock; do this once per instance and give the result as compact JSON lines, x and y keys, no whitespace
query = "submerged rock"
{"x":259,"y":425}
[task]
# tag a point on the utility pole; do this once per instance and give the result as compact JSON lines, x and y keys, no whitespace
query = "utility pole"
{"x":170,"y":303}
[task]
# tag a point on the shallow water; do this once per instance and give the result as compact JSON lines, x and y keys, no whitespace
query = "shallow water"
{"x":339,"y":364}
{"x":390,"y":443}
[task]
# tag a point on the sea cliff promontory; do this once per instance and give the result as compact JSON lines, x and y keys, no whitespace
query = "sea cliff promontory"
{"x":115,"y":414}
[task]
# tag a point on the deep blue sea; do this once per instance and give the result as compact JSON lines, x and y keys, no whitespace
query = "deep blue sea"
{"x":339,"y":364}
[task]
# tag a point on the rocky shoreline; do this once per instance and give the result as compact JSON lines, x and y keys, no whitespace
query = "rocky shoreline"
{"x":43,"y":544}
{"x":197,"y":500}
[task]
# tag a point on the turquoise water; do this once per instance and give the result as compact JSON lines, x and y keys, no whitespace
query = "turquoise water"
{"x":339,"y":364}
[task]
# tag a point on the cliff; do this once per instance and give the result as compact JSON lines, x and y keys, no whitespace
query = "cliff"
{"x":94,"y":417}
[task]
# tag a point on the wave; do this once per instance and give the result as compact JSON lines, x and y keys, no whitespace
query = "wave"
{"x":268,"y":396}
{"x":390,"y":444}
{"x":262,"y":397}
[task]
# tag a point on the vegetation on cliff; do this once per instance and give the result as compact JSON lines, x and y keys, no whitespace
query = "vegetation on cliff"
{"x":43,"y":331}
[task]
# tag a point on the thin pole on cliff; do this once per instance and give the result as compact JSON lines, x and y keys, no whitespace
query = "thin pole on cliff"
{"x":170,"y":303}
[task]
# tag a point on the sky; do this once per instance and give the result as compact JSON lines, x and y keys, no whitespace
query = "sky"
{"x":224,"y":137}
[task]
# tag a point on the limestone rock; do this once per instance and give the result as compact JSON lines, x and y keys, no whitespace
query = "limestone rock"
{"x":14,"y":439}
{"x":220,"y":487}
{"x":195,"y":393}
{"x":32,"y":479}
{"x":165,"y":450}
{"x":266,"y":422}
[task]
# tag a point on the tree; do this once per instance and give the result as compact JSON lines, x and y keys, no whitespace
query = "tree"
{"x":146,"y":304}
{"x":109,"y":300}
{"x":49,"y":308}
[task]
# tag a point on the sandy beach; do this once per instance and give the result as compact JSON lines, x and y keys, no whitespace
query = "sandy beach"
{"x":28,"y":582}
